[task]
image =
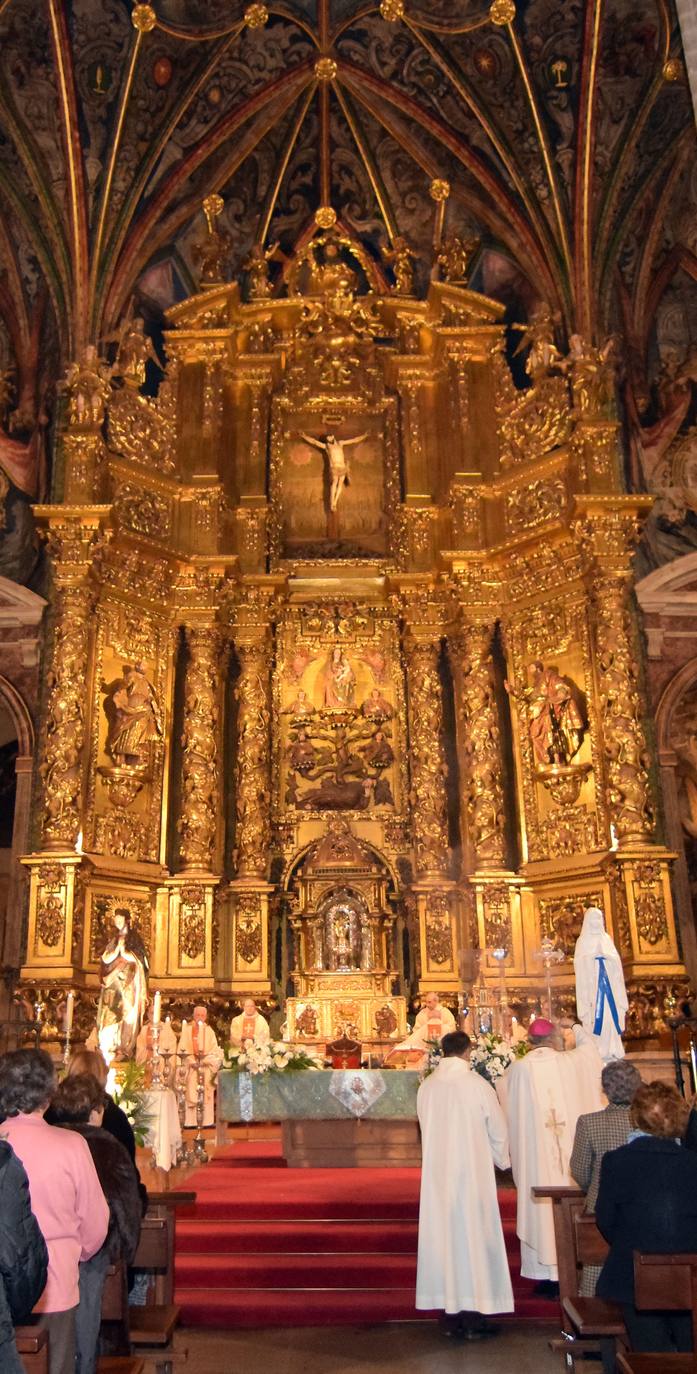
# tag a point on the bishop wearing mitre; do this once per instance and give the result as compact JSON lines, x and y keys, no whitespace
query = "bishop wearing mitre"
{"x":249,"y":1025}
{"x":200,"y":1038}
{"x":434,"y":1021}
{"x":543,"y":1096}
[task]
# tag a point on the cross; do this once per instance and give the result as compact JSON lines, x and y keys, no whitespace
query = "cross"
{"x":554,"y":1124}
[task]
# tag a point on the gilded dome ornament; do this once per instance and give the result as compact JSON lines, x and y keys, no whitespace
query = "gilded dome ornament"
{"x":256,"y":16}
{"x":502,"y":12}
{"x":325,"y":69}
{"x":673,"y":70}
{"x":392,"y":10}
{"x":439,"y":190}
{"x":143,"y":18}
{"x":325,"y":217}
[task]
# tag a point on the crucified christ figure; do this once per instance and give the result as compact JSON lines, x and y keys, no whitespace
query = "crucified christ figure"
{"x":338,"y":463}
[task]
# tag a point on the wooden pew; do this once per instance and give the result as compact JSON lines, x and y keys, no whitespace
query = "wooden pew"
{"x":664,"y":1283}
{"x":32,"y":1348}
{"x":585,"y":1321}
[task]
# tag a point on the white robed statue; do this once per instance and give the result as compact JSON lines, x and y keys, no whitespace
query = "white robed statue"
{"x":601,"y":995}
{"x":543,"y":1096}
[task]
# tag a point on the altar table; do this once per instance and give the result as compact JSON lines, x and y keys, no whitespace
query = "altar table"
{"x":333,"y":1118}
{"x":164,"y":1132}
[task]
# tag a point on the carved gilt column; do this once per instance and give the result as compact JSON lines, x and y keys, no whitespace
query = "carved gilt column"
{"x":190,"y":935}
{"x":644,"y":919}
{"x":436,"y":899}
{"x":73,"y":537}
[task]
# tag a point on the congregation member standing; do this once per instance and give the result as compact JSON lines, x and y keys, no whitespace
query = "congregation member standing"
{"x":647,"y":1201}
{"x":23,"y":1256}
{"x":198,"y":1038}
{"x":66,"y":1198}
{"x":462,"y":1265}
{"x":544,"y":1094}
{"x":598,"y":1132}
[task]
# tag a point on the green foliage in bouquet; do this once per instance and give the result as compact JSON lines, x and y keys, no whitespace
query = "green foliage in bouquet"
{"x":129,"y":1095}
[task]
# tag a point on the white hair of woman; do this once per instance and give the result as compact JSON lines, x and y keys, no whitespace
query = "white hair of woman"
{"x":601,"y":995}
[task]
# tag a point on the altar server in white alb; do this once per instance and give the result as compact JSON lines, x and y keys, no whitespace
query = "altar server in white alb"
{"x":200,"y":1038}
{"x":544,"y":1094}
{"x":462,"y":1265}
{"x":601,"y":995}
{"x":249,"y":1025}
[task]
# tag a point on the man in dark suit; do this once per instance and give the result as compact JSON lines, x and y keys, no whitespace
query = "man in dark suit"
{"x":647,"y":1201}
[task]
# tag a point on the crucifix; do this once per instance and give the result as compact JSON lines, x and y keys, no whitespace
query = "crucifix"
{"x":556,"y":1126}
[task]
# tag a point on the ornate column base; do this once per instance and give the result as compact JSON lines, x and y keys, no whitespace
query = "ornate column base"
{"x":50,"y":944}
{"x":189,"y":935}
{"x":439,"y":912}
{"x":243,"y":964}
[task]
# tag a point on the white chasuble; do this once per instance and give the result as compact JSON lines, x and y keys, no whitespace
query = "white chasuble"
{"x":254,"y":1028}
{"x":544,"y":1094}
{"x":462,"y":1264}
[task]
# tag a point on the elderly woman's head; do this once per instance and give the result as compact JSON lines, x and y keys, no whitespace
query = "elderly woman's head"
{"x":620,"y":1081}
{"x":660,"y":1110}
{"x":79,"y":1100}
{"x":27,"y":1082}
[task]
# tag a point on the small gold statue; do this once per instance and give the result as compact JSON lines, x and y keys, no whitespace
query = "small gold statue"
{"x":87,"y":385}
{"x":455,"y":257}
{"x":400,"y":258}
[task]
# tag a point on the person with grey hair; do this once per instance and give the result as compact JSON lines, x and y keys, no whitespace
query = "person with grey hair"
{"x":598,"y":1132}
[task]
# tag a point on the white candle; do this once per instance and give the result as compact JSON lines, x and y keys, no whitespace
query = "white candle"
{"x":156,"y":1008}
{"x":69,"y":1008}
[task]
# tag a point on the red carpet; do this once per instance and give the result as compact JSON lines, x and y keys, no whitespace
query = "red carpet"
{"x":270,"y":1246}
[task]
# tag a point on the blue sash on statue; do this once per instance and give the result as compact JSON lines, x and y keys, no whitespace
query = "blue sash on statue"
{"x":604,"y":994}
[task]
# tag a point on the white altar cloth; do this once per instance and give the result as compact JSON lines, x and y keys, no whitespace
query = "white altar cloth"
{"x":164,"y":1132}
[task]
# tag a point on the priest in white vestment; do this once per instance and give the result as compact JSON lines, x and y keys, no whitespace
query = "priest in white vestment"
{"x":543,"y":1096}
{"x":601,"y":995}
{"x":434,"y":1021}
{"x":249,"y":1025}
{"x":167,"y":1042}
{"x":462,"y":1264}
{"x":200,"y":1038}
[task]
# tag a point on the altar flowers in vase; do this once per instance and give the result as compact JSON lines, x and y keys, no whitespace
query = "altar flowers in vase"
{"x":274,"y":1057}
{"x":492,"y":1055}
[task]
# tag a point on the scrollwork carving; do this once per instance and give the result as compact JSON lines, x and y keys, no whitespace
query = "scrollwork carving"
{"x":199,"y":806}
{"x":427,"y":757}
{"x":192,"y":921}
{"x":253,"y":790}
{"x":470,"y":656}
{"x":626,"y":752}
{"x":61,"y":769}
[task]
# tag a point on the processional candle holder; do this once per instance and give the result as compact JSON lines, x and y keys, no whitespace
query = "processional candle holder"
{"x":500,"y":954}
{"x":199,"y":1152}
{"x":550,"y":955}
{"x":165,"y":1056}
{"x":183,"y":1155}
{"x":156,"y":1061}
{"x":69,"y":1010}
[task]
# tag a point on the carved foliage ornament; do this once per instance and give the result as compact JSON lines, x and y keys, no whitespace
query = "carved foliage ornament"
{"x":197,"y":822}
{"x":248,"y":930}
{"x":439,"y":938}
{"x":192,"y":921}
{"x":652,"y":926}
{"x":61,"y":769}
{"x":50,"y":913}
{"x":481,"y":745}
{"x":626,"y":752}
{"x":253,"y":790}
{"x":427,"y":758}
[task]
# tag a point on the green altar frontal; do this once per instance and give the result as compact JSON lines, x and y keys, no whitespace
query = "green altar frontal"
{"x":318,"y":1095}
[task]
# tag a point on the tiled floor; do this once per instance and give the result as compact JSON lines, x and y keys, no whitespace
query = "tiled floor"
{"x":392,"y":1349}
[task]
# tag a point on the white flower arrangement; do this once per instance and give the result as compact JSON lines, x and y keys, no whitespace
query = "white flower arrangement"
{"x":276,"y":1057}
{"x":491,"y":1055}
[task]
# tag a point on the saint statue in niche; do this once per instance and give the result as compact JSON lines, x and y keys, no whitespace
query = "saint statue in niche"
{"x":555,"y":723}
{"x":339,"y":681}
{"x":335,"y":450}
{"x":133,"y":713}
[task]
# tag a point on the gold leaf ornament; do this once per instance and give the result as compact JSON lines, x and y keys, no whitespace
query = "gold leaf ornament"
{"x":502,"y":12}
{"x":143,"y":18}
{"x":256,"y":16}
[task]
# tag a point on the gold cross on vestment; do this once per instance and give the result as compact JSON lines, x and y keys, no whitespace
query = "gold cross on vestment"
{"x":556,"y":1126}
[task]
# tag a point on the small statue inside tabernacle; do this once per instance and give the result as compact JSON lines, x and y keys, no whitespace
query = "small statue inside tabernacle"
{"x":124,"y":993}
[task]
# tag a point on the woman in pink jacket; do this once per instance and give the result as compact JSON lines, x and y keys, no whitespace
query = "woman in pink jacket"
{"x":66,"y":1197}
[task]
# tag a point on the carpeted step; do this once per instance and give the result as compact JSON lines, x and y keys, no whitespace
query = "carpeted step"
{"x":295,"y":1237}
{"x":290,"y":1271}
{"x":240,"y":1308}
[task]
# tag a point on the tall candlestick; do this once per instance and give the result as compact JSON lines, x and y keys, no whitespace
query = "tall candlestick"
{"x":157,"y":1008}
{"x":69,"y":1009}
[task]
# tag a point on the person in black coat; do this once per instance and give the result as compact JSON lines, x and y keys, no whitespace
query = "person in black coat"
{"x":115,"y":1120}
{"x":78,"y":1105}
{"x":647,"y":1201}
{"x":23,"y":1256}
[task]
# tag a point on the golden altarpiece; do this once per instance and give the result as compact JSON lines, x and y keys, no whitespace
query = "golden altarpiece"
{"x":343,"y":680}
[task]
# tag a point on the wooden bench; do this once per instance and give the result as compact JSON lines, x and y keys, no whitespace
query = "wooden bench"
{"x":664,"y":1283}
{"x":120,"y":1364}
{"x":32,"y":1348}
{"x":585,"y":1321}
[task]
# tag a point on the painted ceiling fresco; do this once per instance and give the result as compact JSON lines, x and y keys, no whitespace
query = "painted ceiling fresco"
{"x":565,"y":130}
